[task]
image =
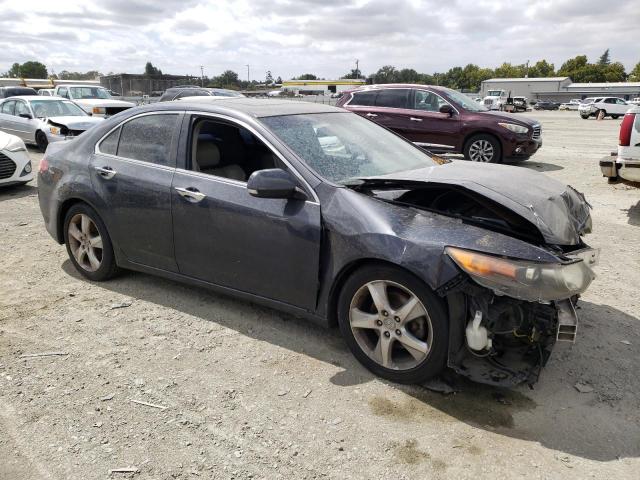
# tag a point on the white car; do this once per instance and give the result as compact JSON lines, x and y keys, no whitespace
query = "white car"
{"x":495,"y":99}
{"x":93,"y":99}
{"x":625,"y":163}
{"x":613,"y":107}
{"x":47,"y":92}
{"x":572,"y":104}
{"x":15,"y":163}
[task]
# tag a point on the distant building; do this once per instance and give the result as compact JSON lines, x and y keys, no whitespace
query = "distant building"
{"x":132,"y":85}
{"x":321,"y":87}
{"x":560,"y":89}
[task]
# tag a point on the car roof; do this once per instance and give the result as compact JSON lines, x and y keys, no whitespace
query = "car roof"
{"x":249,"y":106}
{"x":41,"y":98}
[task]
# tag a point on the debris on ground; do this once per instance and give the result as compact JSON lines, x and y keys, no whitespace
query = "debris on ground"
{"x":582,"y":388}
{"x":147,"y":404}
{"x":44,"y":354}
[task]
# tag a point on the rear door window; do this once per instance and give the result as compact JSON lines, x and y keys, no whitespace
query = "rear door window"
{"x":393,"y":98}
{"x":149,"y":138}
{"x":21,"y":108}
{"x":364,"y":99}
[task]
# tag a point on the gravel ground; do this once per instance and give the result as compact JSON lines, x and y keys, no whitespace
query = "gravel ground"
{"x":247,"y":392}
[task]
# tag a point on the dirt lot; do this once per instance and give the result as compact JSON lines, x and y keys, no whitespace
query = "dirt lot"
{"x":248,"y":392}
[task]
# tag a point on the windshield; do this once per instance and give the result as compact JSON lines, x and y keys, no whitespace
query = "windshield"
{"x":55,"y":108}
{"x":494,"y":93}
{"x":81,"y":93}
{"x":463,"y":100}
{"x":343,"y":147}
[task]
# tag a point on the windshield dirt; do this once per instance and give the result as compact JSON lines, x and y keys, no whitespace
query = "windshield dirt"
{"x":342,"y":147}
{"x":62,"y":108}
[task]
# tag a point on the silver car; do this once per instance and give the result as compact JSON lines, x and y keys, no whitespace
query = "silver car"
{"x":41,"y":120}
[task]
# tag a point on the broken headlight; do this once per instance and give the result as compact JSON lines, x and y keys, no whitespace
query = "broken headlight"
{"x":523,"y":279}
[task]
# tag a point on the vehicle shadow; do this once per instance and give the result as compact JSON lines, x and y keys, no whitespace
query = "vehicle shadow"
{"x":633,"y":213}
{"x":539,"y":166}
{"x":553,"y":414}
{"x":18,"y":191}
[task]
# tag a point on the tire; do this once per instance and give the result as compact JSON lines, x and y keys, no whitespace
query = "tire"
{"x":585,"y":117}
{"x":477,"y":144}
{"x":601,"y":112}
{"x":41,"y":141}
{"x":427,"y":320}
{"x":93,"y":257}
{"x":615,"y":117}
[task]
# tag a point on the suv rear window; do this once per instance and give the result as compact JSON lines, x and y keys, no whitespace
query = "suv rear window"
{"x":393,"y":98}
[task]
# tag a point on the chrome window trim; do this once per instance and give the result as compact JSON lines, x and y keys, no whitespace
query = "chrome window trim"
{"x":348,"y":103}
{"x":263,"y":140}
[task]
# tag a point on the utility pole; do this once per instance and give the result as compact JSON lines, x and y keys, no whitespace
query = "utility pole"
{"x":526,"y":73}
{"x":202,"y":75}
{"x":248,"y":78}
{"x":357,"y":69}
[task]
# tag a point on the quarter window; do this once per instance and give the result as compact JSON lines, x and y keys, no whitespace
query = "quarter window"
{"x":148,"y":138}
{"x":110,"y":144}
{"x":393,"y":98}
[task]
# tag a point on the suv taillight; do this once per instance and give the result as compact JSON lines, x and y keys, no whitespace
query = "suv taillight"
{"x":625,"y":129}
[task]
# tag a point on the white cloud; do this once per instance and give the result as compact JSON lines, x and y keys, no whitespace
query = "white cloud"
{"x":290,"y":37}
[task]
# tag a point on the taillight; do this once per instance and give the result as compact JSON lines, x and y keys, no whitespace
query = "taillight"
{"x":626,"y":128}
{"x":44,"y":165}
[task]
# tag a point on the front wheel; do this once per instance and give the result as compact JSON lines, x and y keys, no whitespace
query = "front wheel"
{"x":615,"y":117}
{"x":88,"y":243}
{"x":483,"y":148}
{"x":394,"y":324}
{"x":41,"y":141}
{"x":585,"y":117}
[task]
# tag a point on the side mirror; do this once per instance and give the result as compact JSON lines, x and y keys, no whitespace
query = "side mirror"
{"x":26,"y":115}
{"x":274,"y":183}
{"x":446,"y":108}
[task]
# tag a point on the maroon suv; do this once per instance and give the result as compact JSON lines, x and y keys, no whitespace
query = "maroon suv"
{"x":443,"y":120}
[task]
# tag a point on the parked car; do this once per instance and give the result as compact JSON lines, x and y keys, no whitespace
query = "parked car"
{"x":613,"y":107}
{"x":93,"y":99}
{"x":421,"y":264}
{"x":15,"y":163}
{"x":495,"y":99}
{"x":546,"y":105}
{"x":625,"y":163}
{"x":47,"y":92}
{"x":176,"y":93}
{"x":443,"y":120}
{"x":6,"y":92}
{"x":635,"y":101}
{"x":520,"y":104}
{"x":41,"y":120}
{"x":572,"y":104}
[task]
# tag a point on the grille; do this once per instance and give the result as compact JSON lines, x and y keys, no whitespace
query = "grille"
{"x":537,"y":131}
{"x":488,"y":102}
{"x":7,"y":167}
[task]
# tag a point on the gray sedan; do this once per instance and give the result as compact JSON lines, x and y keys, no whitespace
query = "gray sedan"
{"x":41,"y":120}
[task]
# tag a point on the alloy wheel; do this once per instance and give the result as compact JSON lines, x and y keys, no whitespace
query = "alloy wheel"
{"x":85,"y":242}
{"x":391,"y":325}
{"x":481,"y":151}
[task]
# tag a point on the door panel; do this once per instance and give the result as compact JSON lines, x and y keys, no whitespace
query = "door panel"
{"x":426,"y":125}
{"x":138,"y":213}
{"x":266,"y":247}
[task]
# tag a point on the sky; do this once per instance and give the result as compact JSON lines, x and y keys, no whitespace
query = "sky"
{"x":323,"y":37}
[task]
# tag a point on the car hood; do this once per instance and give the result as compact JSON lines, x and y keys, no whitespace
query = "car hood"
{"x":101,"y":102}
{"x":559,"y":212}
{"x":80,"y":122}
{"x":499,"y":116}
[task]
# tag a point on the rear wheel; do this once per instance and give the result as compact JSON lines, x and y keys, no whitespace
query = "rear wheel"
{"x":615,"y":117}
{"x":41,"y":141}
{"x":393,"y":324}
{"x":483,"y":148}
{"x":586,"y":117}
{"x":88,"y":243}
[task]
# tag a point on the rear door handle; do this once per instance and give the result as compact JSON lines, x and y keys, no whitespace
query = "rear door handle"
{"x":191,"y":194}
{"x":371,"y":115}
{"x":106,"y":172}
{"x":414,"y":119}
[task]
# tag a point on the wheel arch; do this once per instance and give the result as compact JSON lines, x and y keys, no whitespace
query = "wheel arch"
{"x":62,"y":213}
{"x":473,"y":133}
{"x":346,"y":271}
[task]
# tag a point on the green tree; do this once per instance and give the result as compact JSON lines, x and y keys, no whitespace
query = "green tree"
{"x":506,"y":70}
{"x":634,"y":75}
{"x":604,"y":58}
{"x":307,"y":76}
{"x":542,"y":68}
{"x":279,"y":80}
{"x":30,"y":69}
{"x":150,"y":69}
{"x":614,"y":72}
{"x":354,"y":74}
{"x":574,"y":68}
{"x":14,"y":71}
{"x":408,"y":75}
{"x":387,"y":74}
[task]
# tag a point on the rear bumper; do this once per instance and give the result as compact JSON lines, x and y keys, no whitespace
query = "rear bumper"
{"x":613,"y":167}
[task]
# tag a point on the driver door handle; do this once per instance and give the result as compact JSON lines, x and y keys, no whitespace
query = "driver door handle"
{"x":191,"y":194}
{"x":371,"y":115}
{"x":106,"y":172}
{"x":415,"y":119}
